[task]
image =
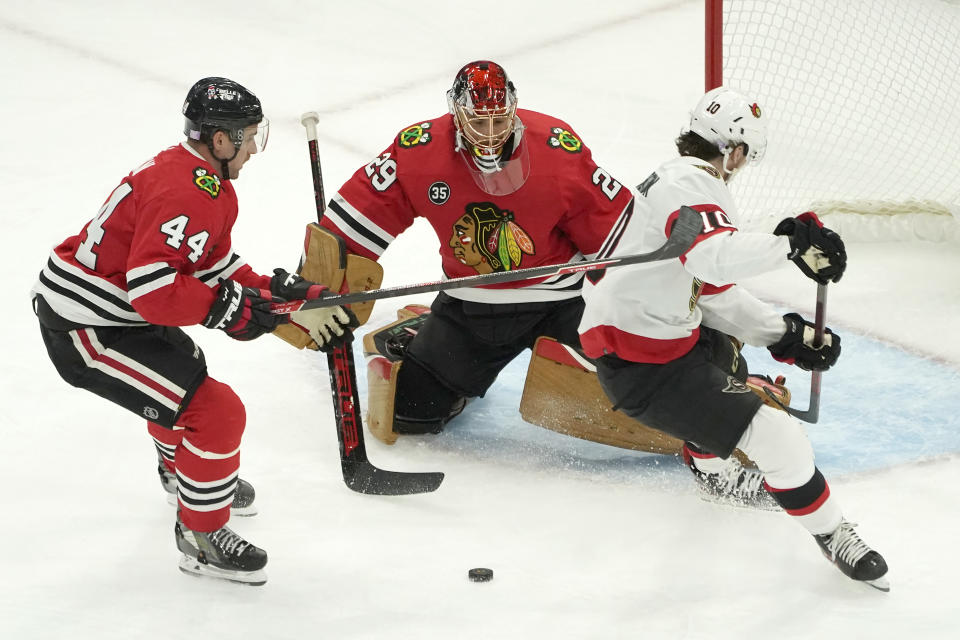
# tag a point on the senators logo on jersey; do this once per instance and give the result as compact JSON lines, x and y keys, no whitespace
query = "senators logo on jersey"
{"x":487,"y":239}
{"x":206,"y":182}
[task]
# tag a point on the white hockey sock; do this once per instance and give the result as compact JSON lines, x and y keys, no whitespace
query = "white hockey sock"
{"x":778,"y":444}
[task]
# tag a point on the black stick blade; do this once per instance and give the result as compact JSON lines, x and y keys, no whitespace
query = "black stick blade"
{"x":363,"y":477}
{"x":359,"y":473}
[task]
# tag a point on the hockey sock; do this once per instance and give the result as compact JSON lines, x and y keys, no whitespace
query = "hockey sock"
{"x":166,"y":442}
{"x":778,"y":444}
{"x":810,"y":504}
{"x":208,"y":457}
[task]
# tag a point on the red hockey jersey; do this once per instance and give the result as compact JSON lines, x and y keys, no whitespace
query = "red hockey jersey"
{"x":154,"y":253}
{"x":563,"y":211}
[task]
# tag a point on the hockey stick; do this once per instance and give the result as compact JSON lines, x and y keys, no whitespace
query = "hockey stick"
{"x":812,"y":413}
{"x":358,"y":472}
{"x":685,"y":232}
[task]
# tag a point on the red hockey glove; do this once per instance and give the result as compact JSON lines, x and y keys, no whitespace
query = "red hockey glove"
{"x":242,"y":312}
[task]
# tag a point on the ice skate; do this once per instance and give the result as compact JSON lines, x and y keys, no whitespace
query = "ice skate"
{"x":243,"y":497}
{"x":853,"y":557}
{"x":220,"y":554}
{"x":734,"y":485}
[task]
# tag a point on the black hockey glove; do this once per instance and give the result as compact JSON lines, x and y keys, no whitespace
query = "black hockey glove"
{"x":796,"y":346}
{"x":290,"y":286}
{"x":242,"y":312}
{"x":817,"y":250}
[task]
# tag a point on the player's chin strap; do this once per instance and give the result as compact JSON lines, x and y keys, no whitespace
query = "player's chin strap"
{"x":730,"y":173}
{"x":224,"y":162}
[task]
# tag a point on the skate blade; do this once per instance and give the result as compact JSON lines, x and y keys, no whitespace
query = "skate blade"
{"x":881,"y":584}
{"x":193,"y":567}
{"x":243,"y":512}
{"x":739,"y":504}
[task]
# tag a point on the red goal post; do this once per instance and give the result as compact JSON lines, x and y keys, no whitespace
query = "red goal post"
{"x":864,"y":105}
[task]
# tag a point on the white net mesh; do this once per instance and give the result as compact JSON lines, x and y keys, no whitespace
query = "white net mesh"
{"x":864,"y":105}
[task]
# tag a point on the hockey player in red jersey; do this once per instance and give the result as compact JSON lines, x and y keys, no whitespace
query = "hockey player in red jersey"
{"x":504,"y":188}
{"x":158,"y":256}
{"x":660,"y":332}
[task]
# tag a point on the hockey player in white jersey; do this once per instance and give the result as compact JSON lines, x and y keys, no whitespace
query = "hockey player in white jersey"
{"x":661,"y":332}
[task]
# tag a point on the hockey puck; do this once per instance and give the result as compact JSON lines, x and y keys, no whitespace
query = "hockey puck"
{"x":480,"y":575}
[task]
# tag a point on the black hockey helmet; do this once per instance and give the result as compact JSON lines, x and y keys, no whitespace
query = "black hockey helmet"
{"x":218,"y":104}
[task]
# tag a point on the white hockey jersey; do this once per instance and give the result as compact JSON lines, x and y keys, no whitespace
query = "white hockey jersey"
{"x":652,"y":312}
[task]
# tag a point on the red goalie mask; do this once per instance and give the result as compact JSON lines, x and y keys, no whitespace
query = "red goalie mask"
{"x":483,"y":102}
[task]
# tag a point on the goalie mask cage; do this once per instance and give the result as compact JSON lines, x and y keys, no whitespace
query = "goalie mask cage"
{"x":864,"y":104}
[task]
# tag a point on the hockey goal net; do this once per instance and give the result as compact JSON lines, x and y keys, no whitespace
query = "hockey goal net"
{"x":864,"y":105}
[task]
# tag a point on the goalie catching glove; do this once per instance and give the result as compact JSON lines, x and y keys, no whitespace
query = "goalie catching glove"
{"x":796,"y":346}
{"x":243,"y":313}
{"x":817,"y":250}
{"x":329,"y":327}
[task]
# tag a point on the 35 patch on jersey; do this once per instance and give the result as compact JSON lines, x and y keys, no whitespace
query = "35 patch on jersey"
{"x":414,"y":135}
{"x":564,"y":139}
{"x":206,"y":182}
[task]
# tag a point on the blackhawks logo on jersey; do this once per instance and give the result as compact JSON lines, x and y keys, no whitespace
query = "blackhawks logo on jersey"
{"x":487,"y":239}
{"x":207,"y":182}
{"x":565,"y":140}
{"x":414,"y":135}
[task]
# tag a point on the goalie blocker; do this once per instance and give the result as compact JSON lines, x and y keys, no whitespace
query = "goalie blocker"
{"x":561,"y":391}
{"x":326,"y":261}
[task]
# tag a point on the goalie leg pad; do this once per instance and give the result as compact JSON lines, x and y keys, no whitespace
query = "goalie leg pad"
{"x":423,"y":403}
{"x":562,"y":393}
{"x":381,"y":394}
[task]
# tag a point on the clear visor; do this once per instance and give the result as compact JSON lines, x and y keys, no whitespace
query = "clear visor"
{"x":505,"y":176}
{"x":261,"y":135}
{"x":488,"y":130}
